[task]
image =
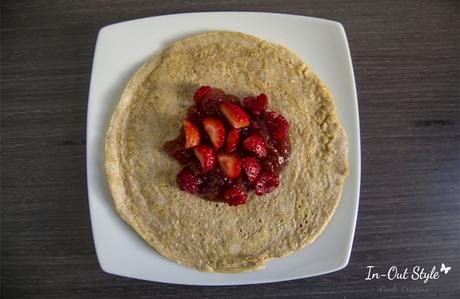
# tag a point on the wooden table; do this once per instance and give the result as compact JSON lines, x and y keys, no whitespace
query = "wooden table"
{"x":406,"y":61}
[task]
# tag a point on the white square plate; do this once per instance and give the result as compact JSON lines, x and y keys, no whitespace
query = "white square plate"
{"x":122,"y":48}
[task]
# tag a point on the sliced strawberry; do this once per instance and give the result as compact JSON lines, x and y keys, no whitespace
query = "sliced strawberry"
{"x":235,"y":115}
{"x":233,"y":138}
{"x":192,"y":134}
{"x":256,"y":144}
{"x":206,"y":156}
{"x":266,"y":183}
{"x":252,"y":168}
{"x":215,"y":130}
{"x":230,"y":165}
{"x":235,"y":196}
{"x":256,"y":105}
{"x":200,"y":93}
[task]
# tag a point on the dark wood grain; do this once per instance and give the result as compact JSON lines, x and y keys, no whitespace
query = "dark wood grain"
{"x":406,"y":61}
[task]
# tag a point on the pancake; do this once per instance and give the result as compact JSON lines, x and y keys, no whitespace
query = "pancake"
{"x":213,"y":236}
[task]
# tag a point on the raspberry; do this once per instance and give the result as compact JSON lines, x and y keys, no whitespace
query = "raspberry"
{"x":188,"y":182}
{"x":280,"y":134}
{"x":250,"y":103}
{"x":279,"y":124}
{"x":283,"y":126}
{"x":201,"y":92}
{"x":256,"y":105}
{"x":271,"y":116}
{"x":272,"y":183}
{"x":252,"y":169}
{"x":266,"y":183}
{"x":236,"y":195}
{"x":282,"y":122}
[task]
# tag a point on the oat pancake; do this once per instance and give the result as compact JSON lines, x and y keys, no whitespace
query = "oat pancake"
{"x":212,"y":236}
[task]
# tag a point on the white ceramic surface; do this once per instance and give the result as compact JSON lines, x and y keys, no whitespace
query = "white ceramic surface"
{"x":122,"y":48}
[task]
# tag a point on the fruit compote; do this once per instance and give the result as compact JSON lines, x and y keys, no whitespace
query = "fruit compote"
{"x":229,"y":147}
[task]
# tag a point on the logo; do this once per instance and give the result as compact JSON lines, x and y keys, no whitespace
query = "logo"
{"x":415,"y":273}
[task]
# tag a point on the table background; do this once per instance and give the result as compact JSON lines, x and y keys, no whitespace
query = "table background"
{"x":406,"y":61}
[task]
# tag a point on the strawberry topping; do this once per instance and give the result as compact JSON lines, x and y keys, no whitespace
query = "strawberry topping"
{"x":200,"y":93}
{"x":255,"y":144}
{"x":192,"y":134}
{"x":250,"y":145}
{"x":230,"y":165}
{"x":215,"y":130}
{"x":232,"y":140}
{"x":234,"y":114}
{"x":206,"y":157}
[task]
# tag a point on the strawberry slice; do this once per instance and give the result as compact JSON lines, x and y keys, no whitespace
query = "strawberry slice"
{"x":200,"y":93}
{"x":230,"y":165}
{"x":206,"y":156}
{"x":192,"y":134}
{"x":215,"y":130}
{"x":235,"y":115}
{"x":256,"y":144}
{"x":233,"y":138}
{"x":252,"y":168}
